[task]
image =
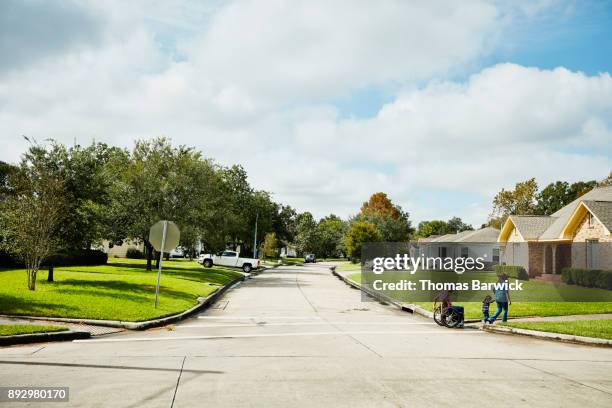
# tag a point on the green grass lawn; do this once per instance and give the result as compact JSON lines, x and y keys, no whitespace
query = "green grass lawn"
{"x":591,"y":328}
{"x":523,"y":309}
{"x":120,"y":290}
{"x":13,"y":329}
{"x":349,"y":266}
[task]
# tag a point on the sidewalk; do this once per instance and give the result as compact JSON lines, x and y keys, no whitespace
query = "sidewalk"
{"x":568,"y":318}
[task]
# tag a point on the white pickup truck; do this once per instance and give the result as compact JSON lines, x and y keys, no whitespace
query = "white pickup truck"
{"x":229,"y":258}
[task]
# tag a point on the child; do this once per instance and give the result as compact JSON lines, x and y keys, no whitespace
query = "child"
{"x":485,"y":307}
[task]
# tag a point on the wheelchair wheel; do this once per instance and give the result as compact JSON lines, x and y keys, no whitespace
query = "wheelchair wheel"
{"x":437,"y":316}
{"x":451,"y":317}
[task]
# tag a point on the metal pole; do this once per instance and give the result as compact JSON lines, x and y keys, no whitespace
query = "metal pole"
{"x":255,"y":240}
{"x":161,"y":257}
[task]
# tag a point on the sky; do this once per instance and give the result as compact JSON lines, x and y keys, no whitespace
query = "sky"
{"x":439,"y":104}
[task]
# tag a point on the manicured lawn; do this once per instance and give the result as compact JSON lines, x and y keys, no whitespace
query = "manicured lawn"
{"x":524,"y":309}
{"x":120,"y":290}
{"x":591,"y":328}
{"x":13,"y":329}
{"x":349,"y":266}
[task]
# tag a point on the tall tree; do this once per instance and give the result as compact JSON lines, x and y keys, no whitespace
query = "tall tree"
{"x":521,"y":200}
{"x":390,"y":220}
{"x":306,"y":239}
{"x":455,"y":225}
{"x":359,"y":233}
{"x":380,"y":204}
{"x":30,"y":218}
{"x":330,"y":233}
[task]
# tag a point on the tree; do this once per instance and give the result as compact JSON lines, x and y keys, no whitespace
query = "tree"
{"x":30,"y":218}
{"x":606,"y":181}
{"x":306,"y":239}
{"x":157,"y":181}
{"x":433,"y":227}
{"x":455,"y":225}
{"x":270,"y":245}
{"x":359,"y":233}
{"x":580,"y":188}
{"x":330,"y":232}
{"x":6,"y":170}
{"x":380,"y":204}
{"x":390,"y":220}
{"x":521,"y":200}
{"x":553,"y":197}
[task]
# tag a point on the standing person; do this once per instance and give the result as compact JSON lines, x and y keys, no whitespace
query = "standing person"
{"x":502,"y":298}
{"x":486,"y":302}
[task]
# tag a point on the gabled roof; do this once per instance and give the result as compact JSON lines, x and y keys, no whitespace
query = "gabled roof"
{"x":531,"y":226}
{"x":602,"y":210}
{"x":555,"y":226}
{"x":563,"y":215}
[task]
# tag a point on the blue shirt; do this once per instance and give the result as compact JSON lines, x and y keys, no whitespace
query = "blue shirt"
{"x":501,"y":295}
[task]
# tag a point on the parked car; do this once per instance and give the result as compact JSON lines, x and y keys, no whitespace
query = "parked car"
{"x":229,"y":258}
{"x":310,"y":258}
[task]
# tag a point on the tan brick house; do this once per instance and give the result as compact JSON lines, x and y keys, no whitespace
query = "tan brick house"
{"x":576,"y":236}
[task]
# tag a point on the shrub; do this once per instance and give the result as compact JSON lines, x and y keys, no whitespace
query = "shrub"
{"x":605,"y":280}
{"x":591,"y":278}
{"x":77,"y":257}
{"x":566,"y":276}
{"x":134,"y":253}
{"x":512,"y":271}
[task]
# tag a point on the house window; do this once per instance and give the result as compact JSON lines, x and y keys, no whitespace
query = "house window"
{"x":590,"y":221}
{"x":464,"y":252}
{"x":442,"y":252}
{"x":496,"y":255}
{"x":592,"y":254}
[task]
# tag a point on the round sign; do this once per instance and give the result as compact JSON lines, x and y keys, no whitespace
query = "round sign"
{"x":172,"y":236}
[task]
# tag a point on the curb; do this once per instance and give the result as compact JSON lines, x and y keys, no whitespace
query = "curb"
{"x":43,"y":337}
{"x":203,"y":303}
{"x":373,"y":294}
{"x":566,"y":338}
{"x":406,"y":307}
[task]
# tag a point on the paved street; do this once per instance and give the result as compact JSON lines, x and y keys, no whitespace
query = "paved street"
{"x":297,"y":336}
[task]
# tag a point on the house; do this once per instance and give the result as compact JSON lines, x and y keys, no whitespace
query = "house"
{"x":120,"y":251}
{"x":572,"y":236}
{"x":481,"y":243}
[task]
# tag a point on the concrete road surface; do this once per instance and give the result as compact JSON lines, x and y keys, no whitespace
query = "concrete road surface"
{"x":299,"y":337}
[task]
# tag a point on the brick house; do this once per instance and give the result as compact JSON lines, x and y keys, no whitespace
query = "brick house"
{"x":572,"y":236}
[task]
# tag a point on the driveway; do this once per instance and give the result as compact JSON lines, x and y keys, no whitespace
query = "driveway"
{"x":297,"y":336}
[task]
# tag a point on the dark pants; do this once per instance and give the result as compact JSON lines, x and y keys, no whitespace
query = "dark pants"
{"x":485,"y":314}
{"x":500,"y":306}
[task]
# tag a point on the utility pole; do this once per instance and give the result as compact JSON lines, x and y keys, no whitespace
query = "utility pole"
{"x":255,"y":239}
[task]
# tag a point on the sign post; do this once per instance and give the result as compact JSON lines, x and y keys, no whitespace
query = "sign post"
{"x":164,"y":237}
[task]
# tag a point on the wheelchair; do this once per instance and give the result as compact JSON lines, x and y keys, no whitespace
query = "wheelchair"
{"x":447,"y":316}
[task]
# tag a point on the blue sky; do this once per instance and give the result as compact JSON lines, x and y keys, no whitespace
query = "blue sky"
{"x":439,"y":104}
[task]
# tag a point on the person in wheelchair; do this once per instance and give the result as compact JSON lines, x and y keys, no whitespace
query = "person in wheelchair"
{"x":445,"y":313}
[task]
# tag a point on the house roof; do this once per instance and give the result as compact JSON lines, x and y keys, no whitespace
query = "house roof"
{"x":554,"y":226}
{"x":531,"y":226}
{"x":487,"y":234}
{"x":602,"y":210}
{"x":563,"y":215}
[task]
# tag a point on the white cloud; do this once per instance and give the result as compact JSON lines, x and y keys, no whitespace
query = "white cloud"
{"x":253,"y":79}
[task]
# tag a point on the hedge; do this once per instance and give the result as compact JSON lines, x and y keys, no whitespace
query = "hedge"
{"x":78,"y":257}
{"x":134,"y":253}
{"x":591,"y":278}
{"x":512,"y":271}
